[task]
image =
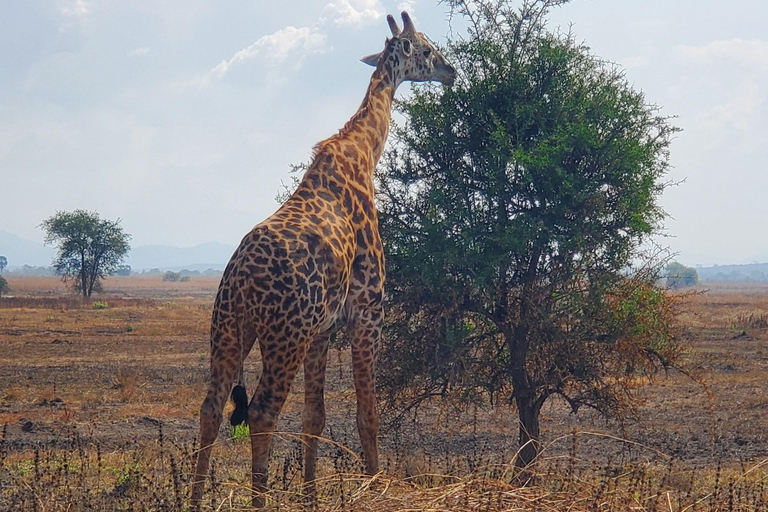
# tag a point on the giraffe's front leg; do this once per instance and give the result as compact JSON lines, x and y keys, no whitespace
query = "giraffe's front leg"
{"x":365,"y":335}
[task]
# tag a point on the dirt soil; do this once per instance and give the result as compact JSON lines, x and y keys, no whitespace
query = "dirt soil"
{"x":117,"y":375}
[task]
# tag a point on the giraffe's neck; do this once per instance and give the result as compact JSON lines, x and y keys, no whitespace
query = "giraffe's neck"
{"x":369,"y":126}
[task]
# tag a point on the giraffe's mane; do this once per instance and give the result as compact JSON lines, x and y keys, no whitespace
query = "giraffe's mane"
{"x":362,"y":111}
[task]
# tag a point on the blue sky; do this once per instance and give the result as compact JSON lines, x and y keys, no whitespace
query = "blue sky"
{"x":182,"y":117}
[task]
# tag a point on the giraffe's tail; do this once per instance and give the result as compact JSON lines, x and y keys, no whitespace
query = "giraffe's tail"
{"x":240,"y":398}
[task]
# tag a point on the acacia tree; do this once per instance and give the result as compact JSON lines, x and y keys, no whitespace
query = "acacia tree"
{"x":678,"y":275}
{"x":89,"y":248}
{"x":3,"y":263}
{"x":512,"y":207}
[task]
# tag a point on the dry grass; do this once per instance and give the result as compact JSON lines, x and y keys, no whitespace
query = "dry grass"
{"x":155,"y":475}
{"x":85,"y":394}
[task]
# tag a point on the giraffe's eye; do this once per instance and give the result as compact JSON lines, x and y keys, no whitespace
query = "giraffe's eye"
{"x":427,"y":52}
{"x":407,"y":47}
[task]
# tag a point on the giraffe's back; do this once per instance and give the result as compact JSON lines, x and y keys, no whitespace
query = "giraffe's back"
{"x":288,"y":276}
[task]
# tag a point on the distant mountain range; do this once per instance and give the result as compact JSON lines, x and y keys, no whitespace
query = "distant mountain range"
{"x":165,"y":257}
{"x":20,"y":252}
{"x":213,"y":255}
{"x":750,"y":273}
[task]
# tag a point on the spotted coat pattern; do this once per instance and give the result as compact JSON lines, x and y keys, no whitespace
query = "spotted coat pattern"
{"x":314,"y":264}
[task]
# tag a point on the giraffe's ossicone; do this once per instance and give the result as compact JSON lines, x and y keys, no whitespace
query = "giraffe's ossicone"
{"x":314,"y":263}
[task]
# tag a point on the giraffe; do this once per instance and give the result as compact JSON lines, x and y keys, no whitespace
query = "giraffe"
{"x":314,"y":264}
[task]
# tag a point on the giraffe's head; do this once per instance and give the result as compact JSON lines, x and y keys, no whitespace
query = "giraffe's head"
{"x":408,"y":55}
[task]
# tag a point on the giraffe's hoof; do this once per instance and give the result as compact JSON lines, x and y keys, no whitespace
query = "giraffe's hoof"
{"x":240,"y":398}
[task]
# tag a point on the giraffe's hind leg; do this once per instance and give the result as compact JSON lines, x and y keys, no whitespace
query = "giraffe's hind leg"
{"x":313,"y":417}
{"x":279,"y":368}
{"x":365,"y":333}
{"x":223,"y":373}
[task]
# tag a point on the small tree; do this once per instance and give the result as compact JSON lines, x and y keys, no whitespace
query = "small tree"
{"x":680,"y":276}
{"x":4,"y":288}
{"x":512,"y":208}
{"x":172,"y":276}
{"x":3,"y":263}
{"x":89,"y":248}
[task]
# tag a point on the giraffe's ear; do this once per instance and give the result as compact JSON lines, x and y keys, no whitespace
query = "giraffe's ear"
{"x":372,"y":59}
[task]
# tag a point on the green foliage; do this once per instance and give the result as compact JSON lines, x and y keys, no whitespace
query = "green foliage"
{"x":4,"y":287}
{"x":680,"y":276}
{"x":89,"y":248}
{"x":100,"y":305}
{"x":512,"y":208}
{"x":3,"y":263}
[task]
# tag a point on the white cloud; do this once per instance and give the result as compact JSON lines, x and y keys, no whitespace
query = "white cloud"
{"x":408,"y":6}
{"x":752,"y":52}
{"x":741,"y":111}
{"x":70,"y":8}
{"x":74,"y":14}
{"x":736,"y":124}
{"x":728,"y":79}
{"x":136,"y":52}
{"x":354,"y":12}
{"x":276,"y":47}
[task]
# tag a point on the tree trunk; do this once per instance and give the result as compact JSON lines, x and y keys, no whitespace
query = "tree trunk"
{"x":83,"y":276}
{"x":95,"y":258}
{"x":528,"y":409}
{"x":525,"y":391}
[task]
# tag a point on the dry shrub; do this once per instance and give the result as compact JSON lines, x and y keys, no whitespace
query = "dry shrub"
{"x":55,"y":303}
{"x":128,"y":385}
{"x":750,"y":320}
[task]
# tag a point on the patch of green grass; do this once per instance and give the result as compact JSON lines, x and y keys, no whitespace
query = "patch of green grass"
{"x":100,"y":305}
{"x":24,"y":467}
{"x":239,"y":433}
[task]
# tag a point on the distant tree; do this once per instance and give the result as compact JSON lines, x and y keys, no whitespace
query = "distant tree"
{"x":28,"y":270}
{"x":512,"y":207}
{"x":680,"y":276}
{"x":3,"y":263}
{"x":4,"y":288}
{"x":176,"y":276}
{"x":123,"y":270}
{"x":172,"y":276}
{"x":89,"y":248}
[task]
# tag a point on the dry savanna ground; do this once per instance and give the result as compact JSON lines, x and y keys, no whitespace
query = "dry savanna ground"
{"x":99,"y":401}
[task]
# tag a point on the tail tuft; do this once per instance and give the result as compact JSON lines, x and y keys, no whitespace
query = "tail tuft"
{"x":240,"y":398}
